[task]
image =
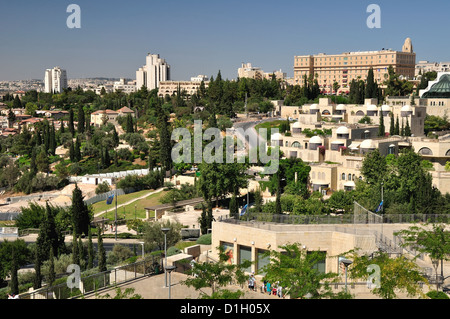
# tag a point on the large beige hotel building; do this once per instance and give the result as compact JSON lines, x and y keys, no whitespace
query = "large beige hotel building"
{"x":343,"y":68}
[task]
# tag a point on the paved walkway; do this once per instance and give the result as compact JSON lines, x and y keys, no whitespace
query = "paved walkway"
{"x":154,"y":288}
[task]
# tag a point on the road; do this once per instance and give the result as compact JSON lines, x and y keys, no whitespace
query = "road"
{"x":251,"y":138}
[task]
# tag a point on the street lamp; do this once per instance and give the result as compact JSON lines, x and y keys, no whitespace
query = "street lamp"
{"x":165,"y":231}
{"x":169,"y":269}
{"x":346,"y":263}
{"x":142,"y":244}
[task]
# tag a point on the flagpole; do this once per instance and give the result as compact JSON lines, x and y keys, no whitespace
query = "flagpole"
{"x":116,"y":213}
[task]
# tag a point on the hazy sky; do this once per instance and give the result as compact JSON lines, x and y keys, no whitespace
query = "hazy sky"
{"x":205,"y":36}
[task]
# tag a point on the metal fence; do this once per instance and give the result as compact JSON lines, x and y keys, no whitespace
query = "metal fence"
{"x":99,"y":281}
{"x":104,"y":196}
{"x":340,"y":219}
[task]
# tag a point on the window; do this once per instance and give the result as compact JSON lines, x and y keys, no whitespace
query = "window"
{"x":261,"y":261}
{"x":343,"y":176}
{"x":320,"y":265}
{"x":245,"y":253}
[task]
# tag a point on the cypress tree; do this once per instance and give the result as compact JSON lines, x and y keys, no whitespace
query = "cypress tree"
{"x":234,"y":210}
{"x":392,"y":125}
{"x":381,"y":128}
{"x":61,"y":129}
{"x":203,"y":221}
{"x":71,"y":125}
{"x":81,"y":253}
{"x":14,"y":281}
{"x":258,"y":200}
{"x":278,"y":209}
{"x":72,"y":152}
{"x":407,"y":128}
{"x":17,"y":103}
{"x":370,"y":86}
{"x":90,"y":251}
{"x":397,"y":127}
{"x":80,"y":213}
{"x":101,"y":252}
{"x":115,"y":137}
{"x":81,"y":119}
{"x":52,"y":140}
{"x":209,"y":216}
{"x":77,"y":150}
{"x":37,"y":283}
{"x":75,"y":251}
{"x":51,"y":273}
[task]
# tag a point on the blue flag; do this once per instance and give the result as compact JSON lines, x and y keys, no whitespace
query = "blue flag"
{"x":110,"y":199}
{"x":244,"y":210}
{"x":379,"y":207}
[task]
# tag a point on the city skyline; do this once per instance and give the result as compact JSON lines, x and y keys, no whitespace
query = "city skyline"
{"x":204,"y":37}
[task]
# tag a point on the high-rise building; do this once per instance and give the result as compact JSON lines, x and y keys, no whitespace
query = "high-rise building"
{"x":343,"y":68}
{"x":55,"y":80}
{"x":151,"y":74}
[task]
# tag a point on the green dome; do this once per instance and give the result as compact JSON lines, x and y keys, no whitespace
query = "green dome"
{"x":440,"y":89}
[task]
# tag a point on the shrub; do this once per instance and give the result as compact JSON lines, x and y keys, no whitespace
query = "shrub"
{"x":434,"y":294}
{"x":173,"y":251}
{"x":119,"y":254}
{"x":102,"y":188}
{"x":204,"y":240}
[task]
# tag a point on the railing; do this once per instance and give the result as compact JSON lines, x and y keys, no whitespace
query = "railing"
{"x":338,"y":219}
{"x":93,"y":283}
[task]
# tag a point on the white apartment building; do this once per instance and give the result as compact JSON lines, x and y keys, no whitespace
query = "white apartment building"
{"x":248,"y":71}
{"x":55,"y":80}
{"x":151,"y":74}
{"x":125,"y":87}
{"x":427,"y":66}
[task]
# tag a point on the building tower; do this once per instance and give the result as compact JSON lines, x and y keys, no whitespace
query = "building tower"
{"x":55,"y":80}
{"x":151,"y":74}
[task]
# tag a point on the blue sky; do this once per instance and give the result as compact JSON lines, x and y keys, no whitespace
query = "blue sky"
{"x":203,"y":37}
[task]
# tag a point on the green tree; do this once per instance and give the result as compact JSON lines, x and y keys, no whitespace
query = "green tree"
{"x":52,"y":273}
{"x":381,"y":127}
{"x":90,"y":251}
{"x":392,"y":125}
{"x":71,"y":124}
{"x":234,"y":209}
{"x":14,"y":281}
{"x":81,"y":215}
{"x":81,"y":120}
{"x":75,"y":251}
{"x":101,"y":252}
{"x":216,"y":276}
{"x":433,"y":241}
{"x":153,"y":235}
{"x":397,"y":274}
{"x":295,"y":270}
{"x":374,"y":167}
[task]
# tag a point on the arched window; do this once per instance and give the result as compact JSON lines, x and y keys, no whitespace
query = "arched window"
{"x":343,"y":176}
{"x":349,"y":177}
{"x":448,"y":153}
{"x":296,"y":145}
{"x":360,"y":113}
{"x":425,"y":151}
{"x":287,"y":144}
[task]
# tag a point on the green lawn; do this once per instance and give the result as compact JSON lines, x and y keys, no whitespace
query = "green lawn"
{"x":129,"y":210}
